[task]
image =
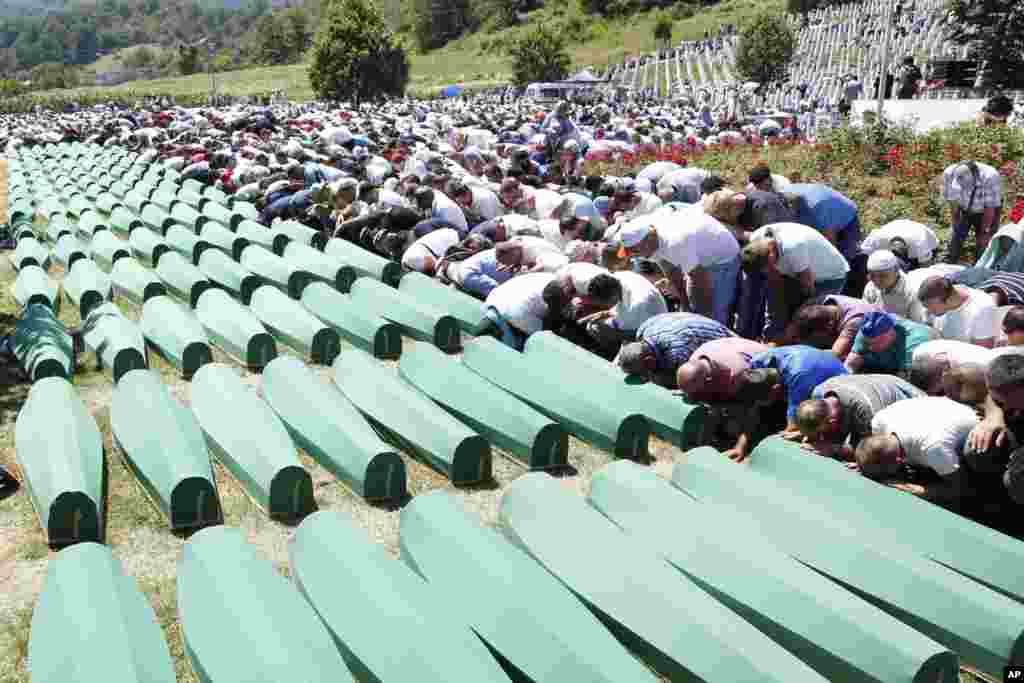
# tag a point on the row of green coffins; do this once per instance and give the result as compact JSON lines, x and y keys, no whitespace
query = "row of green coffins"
{"x":729,"y":595}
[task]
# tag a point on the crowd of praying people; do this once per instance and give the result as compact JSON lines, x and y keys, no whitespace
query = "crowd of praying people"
{"x":768,"y":299}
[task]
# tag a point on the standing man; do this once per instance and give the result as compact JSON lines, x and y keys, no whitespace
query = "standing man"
{"x":975,"y":195}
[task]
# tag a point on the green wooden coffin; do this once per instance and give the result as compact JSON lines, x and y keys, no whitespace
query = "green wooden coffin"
{"x":235,"y":329}
{"x":275,"y":271}
{"x":411,"y":420}
{"x":116,"y":341}
{"x":839,"y":635}
{"x":251,"y":442}
{"x":162,"y":199}
{"x":190,"y":199}
{"x":146,"y":187}
{"x":107,"y":249}
{"x":415,"y":320}
{"x":297,"y":232}
{"x":34,"y":286}
{"x":134,"y":282}
{"x":672,"y":418}
{"x":107,"y":203}
{"x":322,"y":267}
{"x":218,"y":212}
{"x":165,"y":449}
{"x":79,"y":205}
{"x":294,"y":326}
{"x":188,"y":216}
{"x":246,"y":209}
{"x":621,"y":429}
{"x":119,"y":190}
{"x":42,"y":345}
{"x":192,"y":185}
{"x":259,"y":234}
{"x":57,"y":228}
{"x":184,"y":241}
{"x":215,"y":195}
{"x":506,"y":422}
{"x":86,"y":286}
{"x":228,"y":274}
{"x":366,"y":263}
{"x":30,"y":252}
{"x":679,"y":629}
{"x":466,"y":310}
{"x":123,"y":220}
{"x":136,"y":200}
{"x":156,"y":219}
{"x":983,"y":554}
{"x":20,"y":231}
{"x":983,"y":626}
{"x":536,"y":626}
{"x":90,"y":223}
{"x":360,"y":327}
{"x":60,"y":452}
{"x":224,"y":584}
{"x":323,"y":423}
{"x":147,"y":246}
{"x":21,"y":210}
{"x":175,"y":334}
{"x":68,"y":250}
{"x":221,"y":238}
{"x":92,"y":613}
{"x":51,"y":206}
{"x":181,"y":278}
{"x":360,"y":593}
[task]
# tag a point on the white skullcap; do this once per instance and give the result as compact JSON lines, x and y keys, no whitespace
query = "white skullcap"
{"x":883,"y":259}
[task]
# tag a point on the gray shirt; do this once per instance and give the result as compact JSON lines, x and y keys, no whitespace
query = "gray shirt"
{"x":861,"y":396}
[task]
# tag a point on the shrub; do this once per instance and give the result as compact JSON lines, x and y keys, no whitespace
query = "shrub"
{"x":539,"y":55}
{"x":766,"y":47}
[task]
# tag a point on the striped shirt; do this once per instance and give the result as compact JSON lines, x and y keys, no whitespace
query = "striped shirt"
{"x":861,"y":396}
{"x":989,"y":193}
{"x":675,"y":336}
{"x":1010,"y":285}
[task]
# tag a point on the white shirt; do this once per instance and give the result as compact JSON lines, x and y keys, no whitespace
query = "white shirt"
{"x":580,"y":274}
{"x":690,"y":238}
{"x":520,"y":301}
{"x":802,"y":248}
{"x":538,"y":250}
{"x":444,"y":209}
{"x":902,"y":299}
{"x":429,"y":249}
{"x":649,"y":203}
{"x":640,"y":300}
{"x":921,"y":240}
{"x":932,"y":430}
{"x":958,"y":352}
{"x":518,"y":224}
{"x":545,"y":202}
{"x":486,"y":204}
{"x":975,"y":319}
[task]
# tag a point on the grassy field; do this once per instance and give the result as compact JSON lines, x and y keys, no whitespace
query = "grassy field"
{"x":477,"y":60}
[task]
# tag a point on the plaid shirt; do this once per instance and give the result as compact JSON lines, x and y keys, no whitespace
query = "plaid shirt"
{"x":989,"y":194}
{"x":675,"y":336}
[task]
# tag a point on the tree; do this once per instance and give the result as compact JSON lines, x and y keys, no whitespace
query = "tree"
{"x":355,"y":56}
{"x":188,"y":59}
{"x":766,"y":47}
{"x":438,"y":21}
{"x":663,"y":29}
{"x":295,"y":24}
{"x":993,"y":32}
{"x":539,"y":56}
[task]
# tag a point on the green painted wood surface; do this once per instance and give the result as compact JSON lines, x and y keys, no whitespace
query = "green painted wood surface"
{"x":68,"y":250}
{"x":124,"y":220}
{"x":184,"y":241}
{"x":60,"y":452}
{"x":680,"y":423}
{"x":57,"y":228}
{"x":223,"y":583}
{"x":466,"y":310}
{"x":86,"y":286}
{"x":175,"y":333}
{"x":678,"y":628}
{"x":29,"y":252}
{"x":275,"y":271}
{"x":248,"y":210}
{"x":52,"y":206}
{"x":136,"y":200}
{"x":226,"y":273}
{"x":191,"y":199}
{"x":163,"y":445}
{"x":217,"y":211}
{"x":592,"y":416}
{"x":366,"y":263}
{"x":107,"y":249}
{"x":411,"y":419}
{"x":188,"y":216}
{"x":507,"y":423}
{"x":323,"y":423}
{"x":983,"y":554}
{"x":359,"y":326}
{"x":135,"y":283}
{"x":298,"y":232}
{"x":251,"y":442}
{"x":156,"y":219}
{"x":192,"y":185}
{"x":148,"y":246}
{"x":92,"y":623}
{"x":215,"y":195}
{"x":116,"y":341}
{"x":22,"y":231}
{"x":34,"y":286}
{"x":181,"y":278}
{"x":294,"y":326}
{"x":322,"y":267}
{"x":225,"y":240}
{"x":361,"y":593}
{"x":235,"y":329}
{"x":79,"y":205}
{"x":90,"y":223}
{"x":415,"y":319}
{"x":840,"y":636}
{"x":162,"y":199}
{"x":259,"y":234}
{"x":537,"y":628}
{"x":984,"y":627}
{"x":42,"y":345}
{"x":107,"y":202}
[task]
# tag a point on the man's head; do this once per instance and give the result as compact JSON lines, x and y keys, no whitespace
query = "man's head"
{"x":880,"y":457}
{"x":817,"y":421}
{"x":711,"y":184}
{"x":511,"y":192}
{"x":1006,"y":384}
{"x":879,"y":331}
{"x":461,"y":194}
{"x":759,"y":256}
{"x":760,"y":178}
{"x":424,"y":198}
{"x":1013,"y":326}
{"x":815,"y":325}
{"x":604,"y":290}
{"x":762,"y":386}
{"x":693,"y":375}
{"x":557,"y":299}
{"x":926,"y":373}
{"x":638,"y":238}
{"x":509,"y":254}
{"x":725,"y":205}
{"x":638,"y":359}
{"x":936,"y":293}
{"x":965,"y":384}
{"x":883,"y":269}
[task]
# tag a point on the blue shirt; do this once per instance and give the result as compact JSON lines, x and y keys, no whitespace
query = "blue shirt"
{"x":822,"y":207}
{"x":675,"y":336}
{"x":480,"y":274}
{"x":801,"y":369}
